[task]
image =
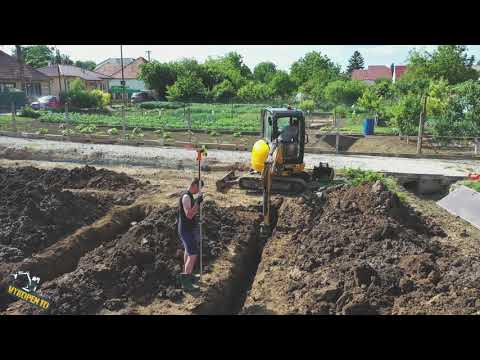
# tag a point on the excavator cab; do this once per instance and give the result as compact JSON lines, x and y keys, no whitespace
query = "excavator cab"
{"x":286,"y":127}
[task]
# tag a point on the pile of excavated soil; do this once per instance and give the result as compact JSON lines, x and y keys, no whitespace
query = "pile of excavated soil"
{"x":35,"y":211}
{"x":361,"y":252}
{"x":77,"y":178}
{"x":138,"y":266}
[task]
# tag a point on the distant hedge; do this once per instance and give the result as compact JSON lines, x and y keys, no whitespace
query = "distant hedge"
{"x":148,"y":105}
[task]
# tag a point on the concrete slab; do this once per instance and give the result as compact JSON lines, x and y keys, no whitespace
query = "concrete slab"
{"x":465,"y":203}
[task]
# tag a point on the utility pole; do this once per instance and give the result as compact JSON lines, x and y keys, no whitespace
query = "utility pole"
{"x":421,"y":124}
{"x":58,"y":69}
{"x":148,"y":54}
{"x":123,"y":92}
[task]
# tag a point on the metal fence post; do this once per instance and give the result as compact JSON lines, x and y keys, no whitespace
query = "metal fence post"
{"x":14,"y":115}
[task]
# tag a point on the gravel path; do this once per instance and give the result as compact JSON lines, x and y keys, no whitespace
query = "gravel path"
{"x":177,"y":157}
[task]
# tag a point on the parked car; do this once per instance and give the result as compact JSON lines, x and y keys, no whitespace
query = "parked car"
{"x":45,"y":102}
{"x":141,"y":96}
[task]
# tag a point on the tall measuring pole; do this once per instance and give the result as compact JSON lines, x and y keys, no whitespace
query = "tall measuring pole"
{"x":123,"y":92}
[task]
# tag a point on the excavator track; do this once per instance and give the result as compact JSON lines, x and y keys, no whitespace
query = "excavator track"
{"x":285,"y":185}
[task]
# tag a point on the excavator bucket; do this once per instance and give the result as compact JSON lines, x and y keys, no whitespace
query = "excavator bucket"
{"x":323,"y":172}
{"x":226,"y":182}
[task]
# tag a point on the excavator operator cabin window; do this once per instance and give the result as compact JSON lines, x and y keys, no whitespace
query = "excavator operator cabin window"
{"x":268,"y":127}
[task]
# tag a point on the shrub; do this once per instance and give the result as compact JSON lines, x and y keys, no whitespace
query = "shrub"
{"x":405,"y":114}
{"x":149,"y":105}
{"x":102,"y":98}
{"x":112,"y":131}
{"x":27,"y":111}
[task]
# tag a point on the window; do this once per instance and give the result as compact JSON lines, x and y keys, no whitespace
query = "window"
{"x":6,"y":86}
{"x":34,"y":89}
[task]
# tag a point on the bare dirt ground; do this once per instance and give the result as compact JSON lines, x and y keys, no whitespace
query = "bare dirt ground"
{"x":127,"y":261}
{"x":361,"y":252}
{"x":364,"y":252}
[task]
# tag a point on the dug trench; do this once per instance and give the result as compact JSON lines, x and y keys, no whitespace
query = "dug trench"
{"x":127,"y":263}
{"x":40,"y":208}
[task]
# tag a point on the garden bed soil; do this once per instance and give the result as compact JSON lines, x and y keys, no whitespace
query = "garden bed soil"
{"x":361,"y":252}
{"x":355,"y":143}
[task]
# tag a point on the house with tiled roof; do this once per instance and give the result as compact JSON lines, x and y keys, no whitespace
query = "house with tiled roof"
{"x":36,"y":83}
{"x":377,"y":72}
{"x":131,"y":71}
{"x":61,"y":76}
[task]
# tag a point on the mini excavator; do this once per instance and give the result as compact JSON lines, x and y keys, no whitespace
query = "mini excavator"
{"x":277,"y":164}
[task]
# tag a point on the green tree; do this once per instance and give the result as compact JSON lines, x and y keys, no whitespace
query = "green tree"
{"x":63,"y":59}
{"x":187,"y":87}
{"x":344,"y":92}
{"x":313,"y":72}
{"x":355,"y":62}
{"x":228,"y":67}
{"x":450,"y":62}
{"x":264,"y":71}
{"x":405,"y":113}
{"x":314,"y":65}
{"x":36,"y":55}
{"x":254,"y":91}
{"x":158,"y":76}
{"x":281,"y":84}
{"x":460,"y":114}
{"x":88,"y":64}
{"x":224,"y":91}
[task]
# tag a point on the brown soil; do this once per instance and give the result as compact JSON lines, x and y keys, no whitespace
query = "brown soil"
{"x":348,"y":143}
{"x":361,"y":252}
{"x":36,"y":210}
{"x":139,"y":266}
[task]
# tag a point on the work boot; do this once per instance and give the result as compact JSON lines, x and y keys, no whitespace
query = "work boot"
{"x":187,"y":282}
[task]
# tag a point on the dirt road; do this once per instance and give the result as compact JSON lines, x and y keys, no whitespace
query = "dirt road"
{"x":13,"y":148}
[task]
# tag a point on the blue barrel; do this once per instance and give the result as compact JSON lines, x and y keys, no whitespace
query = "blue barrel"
{"x":368,"y":126}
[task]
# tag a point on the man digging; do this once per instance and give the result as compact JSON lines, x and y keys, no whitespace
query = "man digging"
{"x":189,"y":231}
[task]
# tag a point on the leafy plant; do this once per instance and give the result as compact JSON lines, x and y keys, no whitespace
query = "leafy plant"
{"x":112,"y":131}
{"x":86,"y":128}
{"x":27,"y":111}
{"x":357,"y":177}
{"x":42,"y":131}
{"x":137,"y":133}
{"x":67,"y":132}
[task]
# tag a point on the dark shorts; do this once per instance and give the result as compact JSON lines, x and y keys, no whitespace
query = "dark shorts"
{"x":190,"y":239}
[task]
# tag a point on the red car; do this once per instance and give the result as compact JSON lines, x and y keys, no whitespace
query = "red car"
{"x":45,"y":102}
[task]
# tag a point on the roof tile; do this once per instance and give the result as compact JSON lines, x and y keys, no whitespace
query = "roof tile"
{"x":10,"y":70}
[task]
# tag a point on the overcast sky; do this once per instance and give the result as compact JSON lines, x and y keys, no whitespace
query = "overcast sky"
{"x":282,"y":55}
